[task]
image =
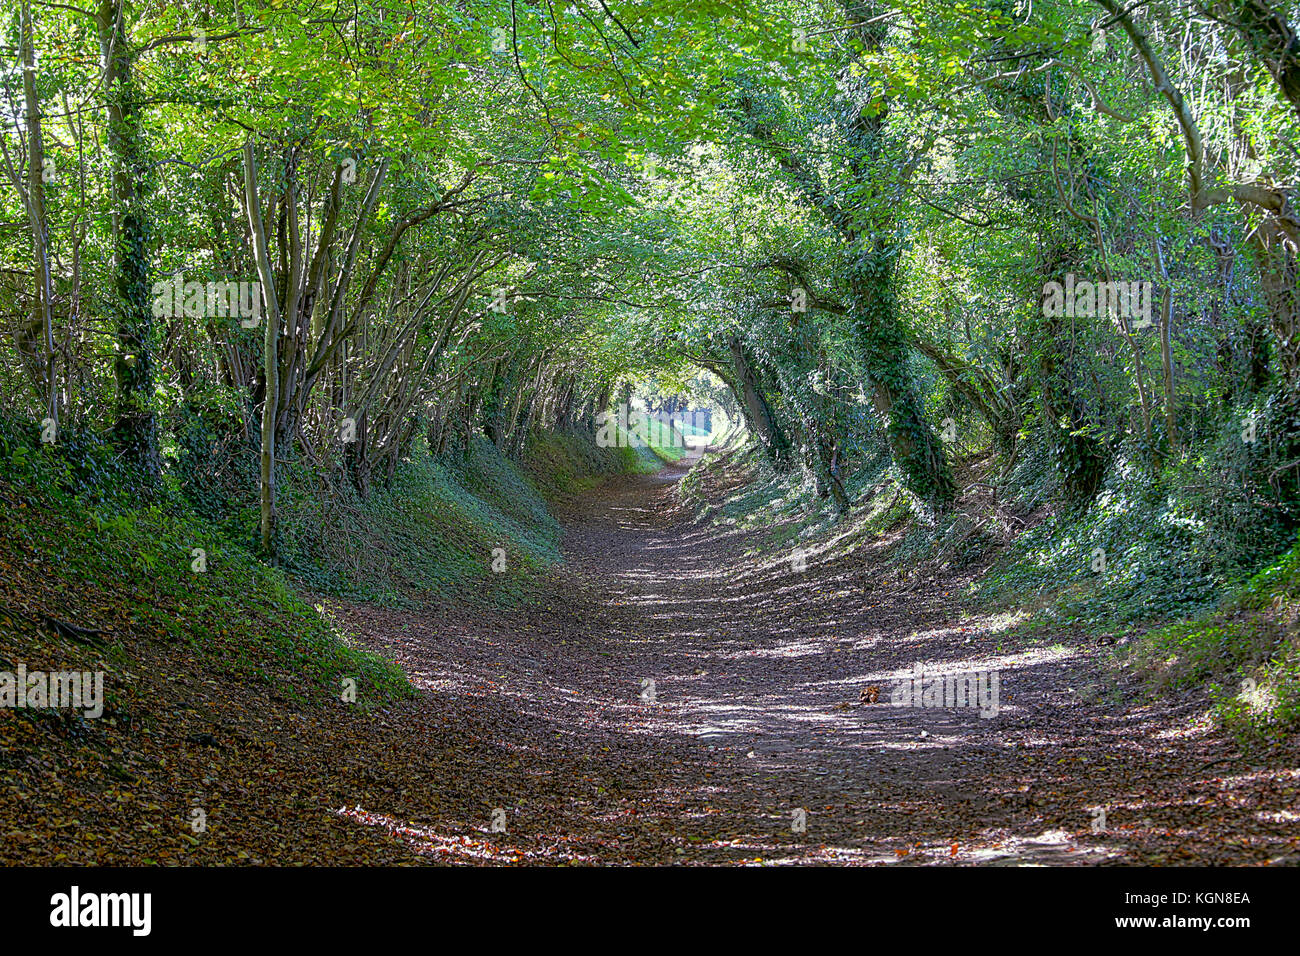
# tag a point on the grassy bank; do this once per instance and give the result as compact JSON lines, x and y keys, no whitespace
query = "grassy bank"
{"x":1247,"y":651}
{"x":82,"y":552}
{"x":1145,"y":566}
{"x":93,"y":557}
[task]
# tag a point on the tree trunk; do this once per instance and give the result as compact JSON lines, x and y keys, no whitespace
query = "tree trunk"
{"x":915,"y":448}
{"x":762,"y":422}
{"x":1275,"y":255}
{"x":270,"y":351}
{"x":42,"y":320}
{"x":136,"y":430}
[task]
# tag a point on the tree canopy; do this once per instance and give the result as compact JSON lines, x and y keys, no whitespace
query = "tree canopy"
{"x":485,"y":216}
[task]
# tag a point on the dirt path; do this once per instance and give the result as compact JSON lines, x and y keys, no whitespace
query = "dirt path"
{"x":758,"y":672}
{"x":534,"y":738}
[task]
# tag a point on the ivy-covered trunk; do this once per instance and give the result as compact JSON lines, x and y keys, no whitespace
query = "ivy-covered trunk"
{"x":34,"y":335}
{"x":885,"y":347}
{"x":1279,"y":279}
{"x":798,"y":369}
{"x":136,"y":428}
{"x":758,"y":412}
{"x":1081,"y":457}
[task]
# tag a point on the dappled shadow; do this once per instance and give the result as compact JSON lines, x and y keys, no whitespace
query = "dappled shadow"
{"x":675,"y":701}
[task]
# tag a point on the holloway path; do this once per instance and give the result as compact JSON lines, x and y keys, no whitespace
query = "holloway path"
{"x":536,"y":738}
{"x":546,"y":722}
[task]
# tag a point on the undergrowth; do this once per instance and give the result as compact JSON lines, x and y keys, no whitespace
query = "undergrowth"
{"x":92,"y":555}
{"x":82,"y":546}
{"x":1247,"y":650}
{"x":471,"y":528}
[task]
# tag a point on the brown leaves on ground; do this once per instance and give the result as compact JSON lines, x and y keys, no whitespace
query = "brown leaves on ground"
{"x":669,"y":702}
